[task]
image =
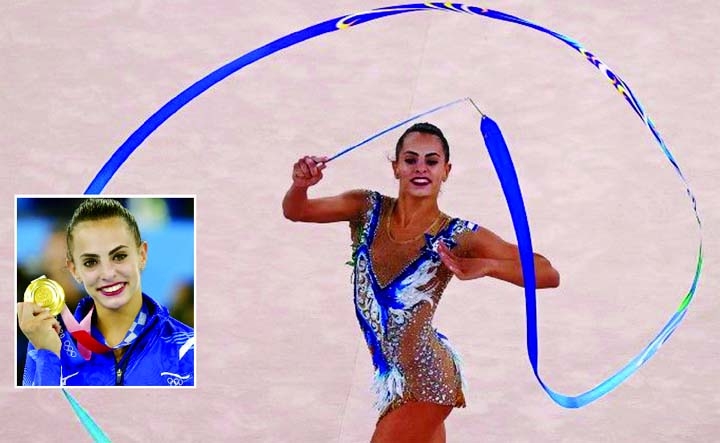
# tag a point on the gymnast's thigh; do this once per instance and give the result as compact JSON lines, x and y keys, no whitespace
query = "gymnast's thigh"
{"x":414,"y":422}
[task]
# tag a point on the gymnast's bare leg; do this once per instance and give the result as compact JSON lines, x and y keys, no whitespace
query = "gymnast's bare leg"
{"x":413,"y":422}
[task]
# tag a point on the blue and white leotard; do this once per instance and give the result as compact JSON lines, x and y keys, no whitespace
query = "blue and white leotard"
{"x":397,"y":288}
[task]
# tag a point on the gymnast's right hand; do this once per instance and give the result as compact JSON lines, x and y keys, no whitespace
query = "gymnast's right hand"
{"x":39,"y":326}
{"x":308,"y":171}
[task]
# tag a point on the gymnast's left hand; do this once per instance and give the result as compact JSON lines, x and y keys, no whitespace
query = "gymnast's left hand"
{"x":465,"y":268}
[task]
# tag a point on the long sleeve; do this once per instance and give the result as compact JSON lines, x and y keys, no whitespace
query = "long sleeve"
{"x":42,"y":368}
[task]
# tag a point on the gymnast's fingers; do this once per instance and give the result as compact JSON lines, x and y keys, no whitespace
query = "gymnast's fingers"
{"x":444,"y":250}
{"x":296,"y":171}
{"x":27,"y":310}
{"x":312,"y":166}
{"x":455,"y":269}
{"x":320,"y":161}
{"x":449,"y":262}
{"x":304,"y":169}
{"x":44,"y":315}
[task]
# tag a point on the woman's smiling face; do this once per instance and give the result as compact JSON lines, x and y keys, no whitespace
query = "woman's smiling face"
{"x":421,"y":166}
{"x":108,"y":261}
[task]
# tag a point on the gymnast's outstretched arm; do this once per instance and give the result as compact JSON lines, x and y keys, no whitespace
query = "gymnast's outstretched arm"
{"x":307,"y":172}
{"x":490,"y":255}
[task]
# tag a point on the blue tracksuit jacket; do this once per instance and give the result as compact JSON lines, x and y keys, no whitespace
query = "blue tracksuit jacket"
{"x":162,"y":355}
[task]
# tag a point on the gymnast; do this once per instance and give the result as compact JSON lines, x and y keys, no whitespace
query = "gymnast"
{"x":130,"y":339}
{"x":405,"y":251}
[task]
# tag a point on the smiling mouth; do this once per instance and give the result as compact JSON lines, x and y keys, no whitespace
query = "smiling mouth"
{"x":420,"y":181}
{"x":112,"y":290}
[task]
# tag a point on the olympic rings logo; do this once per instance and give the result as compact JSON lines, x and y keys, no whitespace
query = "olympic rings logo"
{"x":175,"y":379}
{"x":69,"y":348}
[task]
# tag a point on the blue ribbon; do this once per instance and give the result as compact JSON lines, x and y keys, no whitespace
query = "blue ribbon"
{"x":502,"y":162}
{"x":86,"y":420}
{"x":496,"y":146}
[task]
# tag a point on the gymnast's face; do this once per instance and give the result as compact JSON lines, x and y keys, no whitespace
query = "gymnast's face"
{"x":108,"y":261}
{"x":421,"y":166}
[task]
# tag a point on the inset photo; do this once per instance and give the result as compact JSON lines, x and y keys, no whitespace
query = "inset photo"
{"x":105,"y":290}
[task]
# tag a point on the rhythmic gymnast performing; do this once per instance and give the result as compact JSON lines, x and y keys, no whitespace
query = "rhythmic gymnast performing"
{"x":118,"y":335}
{"x":356,"y":207}
{"x":405,"y":251}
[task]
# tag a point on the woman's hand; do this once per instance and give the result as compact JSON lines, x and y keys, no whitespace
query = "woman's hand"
{"x":490,"y":255}
{"x":465,"y":268}
{"x":39,"y":326}
{"x":308,"y":171}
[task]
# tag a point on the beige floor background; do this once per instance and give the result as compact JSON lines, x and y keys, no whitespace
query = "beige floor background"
{"x":280,"y":357}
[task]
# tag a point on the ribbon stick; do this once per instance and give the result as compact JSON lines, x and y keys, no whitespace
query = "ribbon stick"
{"x":496,"y":146}
{"x":396,"y":125}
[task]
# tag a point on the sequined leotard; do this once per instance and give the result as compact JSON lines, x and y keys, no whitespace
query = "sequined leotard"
{"x":397,"y":288}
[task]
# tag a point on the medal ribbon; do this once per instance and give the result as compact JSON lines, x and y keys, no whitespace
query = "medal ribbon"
{"x":496,"y":147}
{"x":86,"y":343}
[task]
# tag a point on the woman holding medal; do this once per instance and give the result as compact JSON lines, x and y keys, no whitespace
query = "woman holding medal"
{"x":405,"y":251}
{"x":118,"y":335}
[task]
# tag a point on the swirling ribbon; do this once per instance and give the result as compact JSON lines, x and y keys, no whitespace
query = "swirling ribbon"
{"x":90,"y":426}
{"x":496,"y":147}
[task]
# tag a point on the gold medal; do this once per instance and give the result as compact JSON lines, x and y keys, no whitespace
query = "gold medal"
{"x":46,"y":293}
